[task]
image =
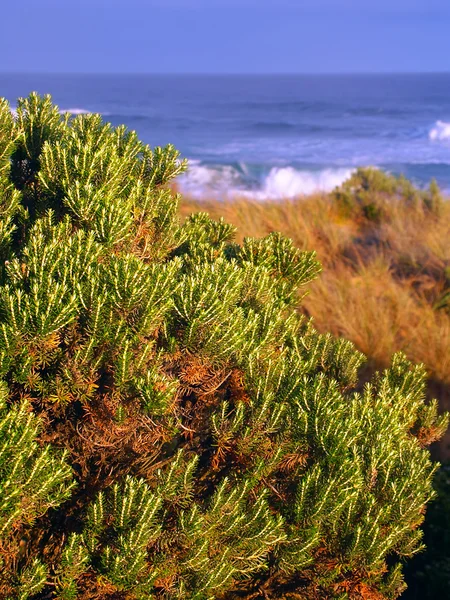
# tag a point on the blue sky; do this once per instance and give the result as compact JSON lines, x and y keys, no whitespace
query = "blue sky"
{"x":225,"y":36}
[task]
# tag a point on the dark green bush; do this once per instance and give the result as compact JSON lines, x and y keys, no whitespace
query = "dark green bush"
{"x":170,"y":426}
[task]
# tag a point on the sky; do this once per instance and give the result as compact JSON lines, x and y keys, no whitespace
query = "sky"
{"x":225,"y":36}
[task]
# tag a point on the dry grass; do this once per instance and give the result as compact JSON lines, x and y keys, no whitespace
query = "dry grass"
{"x":382,"y":277}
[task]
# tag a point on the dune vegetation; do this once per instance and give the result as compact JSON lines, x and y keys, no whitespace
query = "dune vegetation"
{"x":384,"y":247}
{"x":172,"y":427}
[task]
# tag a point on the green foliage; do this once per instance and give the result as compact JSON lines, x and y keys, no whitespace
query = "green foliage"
{"x":218,"y":444}
{"x":119,"y":529}
{"x":32,"y":481}
{"x":366,"y":192}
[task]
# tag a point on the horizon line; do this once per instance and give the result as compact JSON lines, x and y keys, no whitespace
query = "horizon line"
{"x":227,"y":74}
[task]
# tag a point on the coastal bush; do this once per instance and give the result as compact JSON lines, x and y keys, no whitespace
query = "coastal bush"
{"x":369,"y":192}
{"x":171,"y":426}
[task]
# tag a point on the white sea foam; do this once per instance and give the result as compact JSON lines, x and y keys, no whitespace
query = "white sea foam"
{"x":287,"y":182}
{"x":75,"y":111}
{"x":226,"y":181}
{"x":72,"y":111}
{"x":440,"y":131}
{"x":202,"y":180}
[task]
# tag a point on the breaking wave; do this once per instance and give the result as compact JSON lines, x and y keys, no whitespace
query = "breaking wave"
{"x":440,"y":131}
{"x":288,"y":182}
{"x":276,"y":183}
{"x":75,"y":111}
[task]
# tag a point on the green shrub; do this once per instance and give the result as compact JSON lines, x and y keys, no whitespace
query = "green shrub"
{"x":367,"y":191}
{"x":191,"y":435}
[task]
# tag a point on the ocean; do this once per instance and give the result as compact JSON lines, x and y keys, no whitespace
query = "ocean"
{"x":271,"y":136}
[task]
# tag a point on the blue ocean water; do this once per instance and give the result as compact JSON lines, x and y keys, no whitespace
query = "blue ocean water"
{"x":270,"y":136}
